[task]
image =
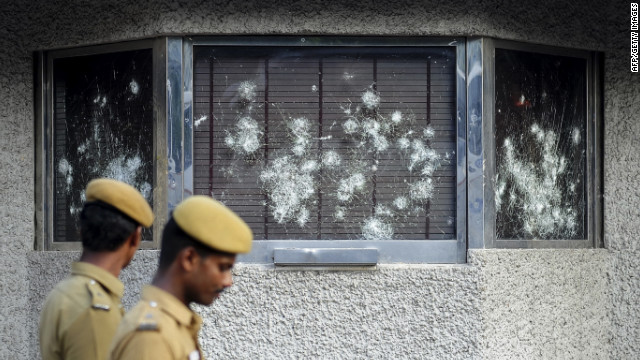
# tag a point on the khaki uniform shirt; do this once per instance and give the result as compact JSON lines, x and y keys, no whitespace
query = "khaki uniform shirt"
{"x":81,"y":315}
{"x":159,"y":327}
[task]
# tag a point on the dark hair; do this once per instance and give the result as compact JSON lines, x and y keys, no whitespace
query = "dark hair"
{"x":174,"y":240}
{"x":104,"y":228}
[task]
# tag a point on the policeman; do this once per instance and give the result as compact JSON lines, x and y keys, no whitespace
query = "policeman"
{"x":199,"y":247}
{"x":82,"y":313}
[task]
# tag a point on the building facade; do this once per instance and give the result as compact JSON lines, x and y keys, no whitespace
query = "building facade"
{"x":494,"y":302}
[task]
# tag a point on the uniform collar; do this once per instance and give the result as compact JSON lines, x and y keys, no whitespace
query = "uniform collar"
{"x":105,"y":278}
{"x":172,"y":306}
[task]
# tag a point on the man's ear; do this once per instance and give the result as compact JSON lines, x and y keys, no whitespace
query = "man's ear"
{"x":136,"y":238}
{"x":189,"y":259}
{"x":131,"y":245}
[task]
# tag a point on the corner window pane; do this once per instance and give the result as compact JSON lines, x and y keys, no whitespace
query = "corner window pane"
{"x":541,"y":146}
{"x":329,"y":143}
{"x":103,"y":127}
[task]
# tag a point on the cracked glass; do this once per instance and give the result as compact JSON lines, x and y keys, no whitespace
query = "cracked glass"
{"x":103,"y":127}
{"x":329,"y":142}
{"x":541,"y":146}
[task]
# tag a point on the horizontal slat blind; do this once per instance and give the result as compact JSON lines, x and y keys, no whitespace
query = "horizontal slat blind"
{"x":327,"y":90}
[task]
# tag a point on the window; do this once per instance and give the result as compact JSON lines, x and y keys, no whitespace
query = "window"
{"x":544,"y":114}
{"x":336,"y":151}
{"x":100,"y":113}
{"x":343,"y":145}
{"x":540,"y":112}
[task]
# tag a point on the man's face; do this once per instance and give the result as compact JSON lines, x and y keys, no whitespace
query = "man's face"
{"x":212,"y":276}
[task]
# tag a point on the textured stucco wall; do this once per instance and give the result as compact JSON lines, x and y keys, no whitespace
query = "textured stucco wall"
{"x":502,"y":305}
{"x":529,"y":304}
{"x":16,"y":190}
{"x":622,"y":197}
{"x":393,"y":312}
{"x":545,"y":304}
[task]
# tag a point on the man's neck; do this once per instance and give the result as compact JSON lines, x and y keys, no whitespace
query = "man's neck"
{"x":106,"y":260}
{"x":167,"y":282}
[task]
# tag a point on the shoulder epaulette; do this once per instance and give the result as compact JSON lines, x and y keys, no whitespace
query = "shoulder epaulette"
{"x":148,"y":321}
{"x":99,"y":299}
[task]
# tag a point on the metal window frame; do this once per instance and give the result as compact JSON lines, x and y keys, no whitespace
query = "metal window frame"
{"x":173,"y":164}
{"x":43,"y":71}
{"x":481,"y":156}
{"x":389,"y":251}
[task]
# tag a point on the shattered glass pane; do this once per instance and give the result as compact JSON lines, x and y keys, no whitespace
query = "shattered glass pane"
{"x":103,"y":126}
{"x":541,"y":144}
{"x":329,"y":143}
